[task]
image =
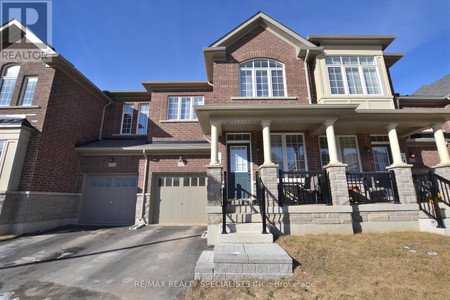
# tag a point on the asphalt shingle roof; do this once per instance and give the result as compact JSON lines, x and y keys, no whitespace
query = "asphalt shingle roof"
{"x":438,"y":88}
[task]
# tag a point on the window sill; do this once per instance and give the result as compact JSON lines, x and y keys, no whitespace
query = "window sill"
{"x":20,"y":107}
{"x":263,"y":98}
{"x":178,"y":121}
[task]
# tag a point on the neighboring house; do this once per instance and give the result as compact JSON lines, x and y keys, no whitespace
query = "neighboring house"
{"x":421,"y":148}
{"x":273,"y":101}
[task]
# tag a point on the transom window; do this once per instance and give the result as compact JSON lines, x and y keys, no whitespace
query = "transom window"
{"x":288,"y":151}
{"x":28,"y":90}
{"x":9,"y":78}
{"x":181,"y":108}
{"x":262,"y":78}
{"x":127,"y":119}
{"x":347,"y":152}
{"x":353,"y":75}
{"x":142,"y":123}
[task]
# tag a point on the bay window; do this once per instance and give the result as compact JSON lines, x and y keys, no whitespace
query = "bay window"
{"x":353,"y":75}
{"x":261,"y":78}
{"x":288,"y":151}
{"x":347,"y":152}
{"x":182,"y":108}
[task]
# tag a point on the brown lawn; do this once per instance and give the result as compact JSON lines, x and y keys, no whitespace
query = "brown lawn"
{"x":361,"y":266}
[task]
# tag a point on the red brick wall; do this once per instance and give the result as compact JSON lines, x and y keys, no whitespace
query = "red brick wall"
{"x":73,"y":117}
{"x":259,"y":43}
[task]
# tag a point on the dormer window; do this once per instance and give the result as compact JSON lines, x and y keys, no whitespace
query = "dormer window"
{"x":353,"y":75}
{"x":8,"y":82}
{"x":262,"y":78}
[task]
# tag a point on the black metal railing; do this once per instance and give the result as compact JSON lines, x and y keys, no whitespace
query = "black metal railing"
{"x":224,"y":203}
{"x":261,"y":199}
{"x":372,"y":187}
{"x":443,"y":189}
{"x":429,"y":193}
{"x":303,"y":187}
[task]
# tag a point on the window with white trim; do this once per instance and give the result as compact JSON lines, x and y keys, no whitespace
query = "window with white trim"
{"x":8,"y":82}
{"x":127,"y":119}
{"x":182,"y":108}
{"x":353,"y":75}
{"x":288,"y":151}
{"x":262,"y":78}
{"x":142,"y":122}
{"x":348,"y":152}
{"x":29,"y":89}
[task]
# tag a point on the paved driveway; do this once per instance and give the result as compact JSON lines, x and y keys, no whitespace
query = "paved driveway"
{"x":155,"y":262}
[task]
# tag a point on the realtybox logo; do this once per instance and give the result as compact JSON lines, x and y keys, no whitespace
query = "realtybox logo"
{"x":35,"y":15}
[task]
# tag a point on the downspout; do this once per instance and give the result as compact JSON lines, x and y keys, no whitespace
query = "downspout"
{"x":103,"y":119}
{"x":141,"y":222}
{"x":307,"y":76}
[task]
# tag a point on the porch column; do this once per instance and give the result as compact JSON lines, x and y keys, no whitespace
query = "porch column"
{"x":402,"y":171}
{"x":266,"y":142}
{"x":441,"y":145}
{"x":331,"y":140}
{"x":214,"y":143}
{"x":443,"y":168}
{"x":395,"y":147}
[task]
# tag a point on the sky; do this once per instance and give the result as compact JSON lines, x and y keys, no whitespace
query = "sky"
{"x":118,"y":44}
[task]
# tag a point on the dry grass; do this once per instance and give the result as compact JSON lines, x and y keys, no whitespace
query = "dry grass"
{"x":362,"y":266}
{"x":7,"y":237}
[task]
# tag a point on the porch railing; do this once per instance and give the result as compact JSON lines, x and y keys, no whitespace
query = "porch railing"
{"x":224,"y":203}
{"x":303,"y":187}
{"x":430,"y":189}
{"x":372,"y":187}
{"x":261,"y":199}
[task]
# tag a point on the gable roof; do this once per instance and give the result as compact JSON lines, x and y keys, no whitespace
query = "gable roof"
{"x":261,"y":19}
{"x":217,"y":50}
{"x":15,"y":28}
{"x":440,"y":88}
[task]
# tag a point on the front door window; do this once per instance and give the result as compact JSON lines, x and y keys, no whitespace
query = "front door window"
{"x":381,"y":158}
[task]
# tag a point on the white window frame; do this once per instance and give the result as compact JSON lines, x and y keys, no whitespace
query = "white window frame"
{"x":5,"y":77}
{"x":361,"y":75}
{"x":2,"y":154}
{"x":123,"y":115}
{"x":139,"y":116}
{"x":269,"y":69}
{"x":338,"y":145}
{"x":284,"y":149}
{"x":24,"y":88}
{"x":191,"y":116}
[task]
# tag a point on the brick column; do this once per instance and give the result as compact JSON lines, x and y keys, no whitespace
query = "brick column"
{"x":338,"y":183}
{"x":269,"y":178}
{"x":443,"y":171}
{"x":214,"y":187}
{"x":405,"y":185}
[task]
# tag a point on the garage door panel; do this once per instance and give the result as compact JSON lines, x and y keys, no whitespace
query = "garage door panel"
{"x":181,"y":200}
{"x":109,"y":200}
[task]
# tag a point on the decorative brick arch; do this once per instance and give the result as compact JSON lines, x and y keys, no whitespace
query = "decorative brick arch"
{"x":260,"y":54}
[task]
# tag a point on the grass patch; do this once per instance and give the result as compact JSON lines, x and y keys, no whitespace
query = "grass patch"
{"x":362,"y":266}
{"x":7,"y":237}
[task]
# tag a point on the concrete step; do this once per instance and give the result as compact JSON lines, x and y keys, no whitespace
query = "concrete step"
{"x":430,"y":225}
{"x":244,"y":227}
{"x":246,"y":237}
{"x":244,"y":261}
{"x":241,"y":201}
{"x":243,"y":209}
{"x":244,"y":218}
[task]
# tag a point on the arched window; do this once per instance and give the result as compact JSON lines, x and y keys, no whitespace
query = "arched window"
{"x":261,"y":78}
{"x":8,"y":82}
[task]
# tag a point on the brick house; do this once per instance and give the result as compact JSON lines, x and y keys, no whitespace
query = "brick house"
{"x":321,"y":108}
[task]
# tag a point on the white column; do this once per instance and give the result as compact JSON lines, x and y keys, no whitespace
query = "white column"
{"x":331,"y":140}
{"x":214,"y":143}
{"x":395,"y":147}
{"x":441,"y":144}
{"x":266,"y":142}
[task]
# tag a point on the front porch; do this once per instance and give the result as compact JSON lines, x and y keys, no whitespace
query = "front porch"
{"x":321,"y":168}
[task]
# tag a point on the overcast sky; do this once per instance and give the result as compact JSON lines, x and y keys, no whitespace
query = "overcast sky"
{"x":118,"y":44}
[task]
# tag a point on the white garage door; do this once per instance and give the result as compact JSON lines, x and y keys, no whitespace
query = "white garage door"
{"x":109,"y":200}
{"x":180,"y":200}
